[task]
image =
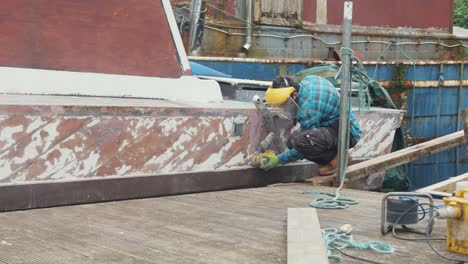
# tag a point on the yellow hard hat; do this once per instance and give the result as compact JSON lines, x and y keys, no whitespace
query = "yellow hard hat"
{"x":277,"y":96}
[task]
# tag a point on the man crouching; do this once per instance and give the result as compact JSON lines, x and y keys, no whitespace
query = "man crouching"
{"x":315,"y":104}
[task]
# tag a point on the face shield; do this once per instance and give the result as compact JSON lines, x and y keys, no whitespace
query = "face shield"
{"x":283,"y":105}
{"x":288,"y":109}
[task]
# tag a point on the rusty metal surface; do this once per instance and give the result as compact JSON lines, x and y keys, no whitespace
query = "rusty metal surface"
{"x":396,"y":13}
{"x":71,"y":142}
{"x":373,"y":29}
{"x":279,"y":12}
{"x":378,"y":129}
{"x":67,"y":142}
{"x":310,"y":44}
{"x":121,"y":37}
{"x":427,"y":84}
{"x":431,"y":33}
{"x":313,"y":62}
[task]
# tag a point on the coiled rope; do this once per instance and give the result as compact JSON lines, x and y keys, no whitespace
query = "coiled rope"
{"x":333,"y":238}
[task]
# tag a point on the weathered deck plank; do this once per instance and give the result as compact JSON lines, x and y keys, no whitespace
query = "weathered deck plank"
{"x":236,"y":226}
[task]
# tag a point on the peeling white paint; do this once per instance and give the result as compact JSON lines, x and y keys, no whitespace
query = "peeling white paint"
{"x":36,"y":123}
{"x":188,"y":164}
{"x":228,"y":125}
{"x":52,"y":133}
{"x":123,"y":145}
{"x":238,"y":159}
{"x":7,"y":134}
{"x":65,"y":157}
{"x":31,"y":151}
{"x":170,"y":125}
{"x":94,"y":122}
{"x":181,"y":140}
{"x":211,"y":136}
{"x":79,"y":148}
{"x":162,"y":159}
{"x":376,"y":139}
{"x":205,"y":122}
{"x":141,"y":123}
{"x":79,"y":169}
{"x":220,"y":129}
{"x":122,"y":170}
{"x":215,"y":159}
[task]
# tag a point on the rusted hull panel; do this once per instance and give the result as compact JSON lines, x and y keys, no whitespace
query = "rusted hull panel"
{"x":69,"y":142}
{"x":75,"y":142}
{"x":378,"y":130}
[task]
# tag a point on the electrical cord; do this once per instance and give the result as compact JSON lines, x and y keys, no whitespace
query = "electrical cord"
{"x":427,"y":238}
{"x":336,"y":239}
{"x":354,"y":257}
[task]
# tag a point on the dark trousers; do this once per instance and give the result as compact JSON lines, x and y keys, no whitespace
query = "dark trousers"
{"x":318,"y":145}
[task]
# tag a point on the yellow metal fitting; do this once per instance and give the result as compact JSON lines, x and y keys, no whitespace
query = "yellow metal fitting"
{"x":457,"y":222}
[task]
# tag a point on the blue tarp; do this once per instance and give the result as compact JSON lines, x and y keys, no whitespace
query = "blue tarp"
{"x":198,"y":69}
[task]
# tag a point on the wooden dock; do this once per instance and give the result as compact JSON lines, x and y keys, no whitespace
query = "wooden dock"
{"x":236,"y":226}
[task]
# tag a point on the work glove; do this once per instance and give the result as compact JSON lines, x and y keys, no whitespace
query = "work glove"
{"x":268,"y":161}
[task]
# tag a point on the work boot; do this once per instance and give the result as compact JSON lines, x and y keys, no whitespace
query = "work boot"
{"x":330,"y":168}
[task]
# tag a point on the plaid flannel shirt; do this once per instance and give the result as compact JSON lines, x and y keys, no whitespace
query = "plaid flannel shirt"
{"x":319,"y":106}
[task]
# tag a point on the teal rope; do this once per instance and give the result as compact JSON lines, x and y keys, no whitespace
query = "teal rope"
{"x":381,"y":57}
{"x":334,"y":203}
{"x":333,"y":238}
{"x":346,"y":51}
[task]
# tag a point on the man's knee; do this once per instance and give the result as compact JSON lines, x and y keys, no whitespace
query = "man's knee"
{"x":309,"y":141}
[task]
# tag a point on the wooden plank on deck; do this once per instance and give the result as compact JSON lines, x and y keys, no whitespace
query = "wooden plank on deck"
{"x":305,"y":243}
{"x":444,"y":188}
{"x":363,"y":169}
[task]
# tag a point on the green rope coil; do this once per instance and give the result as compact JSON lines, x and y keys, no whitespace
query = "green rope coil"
{"x":326,"y":203}
{"x":335,"y":239}
{"x":359,"y":74}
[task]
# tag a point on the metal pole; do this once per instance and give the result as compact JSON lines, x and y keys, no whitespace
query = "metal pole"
{"x":459,"y":118}
{"x":343,"y":132}
{"x":248,"y":38}
{"x":195,"y":15}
